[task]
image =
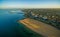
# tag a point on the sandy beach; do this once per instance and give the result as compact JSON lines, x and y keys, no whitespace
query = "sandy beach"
{"x":41,"y":28}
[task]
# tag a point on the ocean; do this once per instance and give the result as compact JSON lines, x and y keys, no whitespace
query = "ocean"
{"x":9,"y":26}
{"x":8,"y":22}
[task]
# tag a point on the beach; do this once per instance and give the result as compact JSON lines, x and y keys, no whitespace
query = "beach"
{"x":41,"y":28}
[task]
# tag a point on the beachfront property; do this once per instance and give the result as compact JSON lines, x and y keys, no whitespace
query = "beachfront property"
{"x":49,"y":16}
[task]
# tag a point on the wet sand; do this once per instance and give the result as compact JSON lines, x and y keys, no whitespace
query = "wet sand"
{"x":41,"y":28}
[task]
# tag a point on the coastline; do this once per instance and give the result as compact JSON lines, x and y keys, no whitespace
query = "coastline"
{"x":41,"y":28}
{"x":30,"y":32}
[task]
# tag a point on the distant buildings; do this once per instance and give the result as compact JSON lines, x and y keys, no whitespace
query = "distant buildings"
{"x":49,"y":15}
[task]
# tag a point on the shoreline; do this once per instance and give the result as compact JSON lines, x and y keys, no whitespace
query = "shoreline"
{"x":41,"y":28}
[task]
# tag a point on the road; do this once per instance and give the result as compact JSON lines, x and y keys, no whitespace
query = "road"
{"x":41,"y":28}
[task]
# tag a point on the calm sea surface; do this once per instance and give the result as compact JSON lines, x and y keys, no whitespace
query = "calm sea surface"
{"x":9,"y":26}
{"x":8,"y":22}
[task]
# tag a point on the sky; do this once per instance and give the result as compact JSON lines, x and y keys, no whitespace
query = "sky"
{"x":29,"y":3}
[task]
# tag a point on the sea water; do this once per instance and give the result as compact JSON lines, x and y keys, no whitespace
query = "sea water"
{"x":9,"y":26}
{"x":8,"y":22}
